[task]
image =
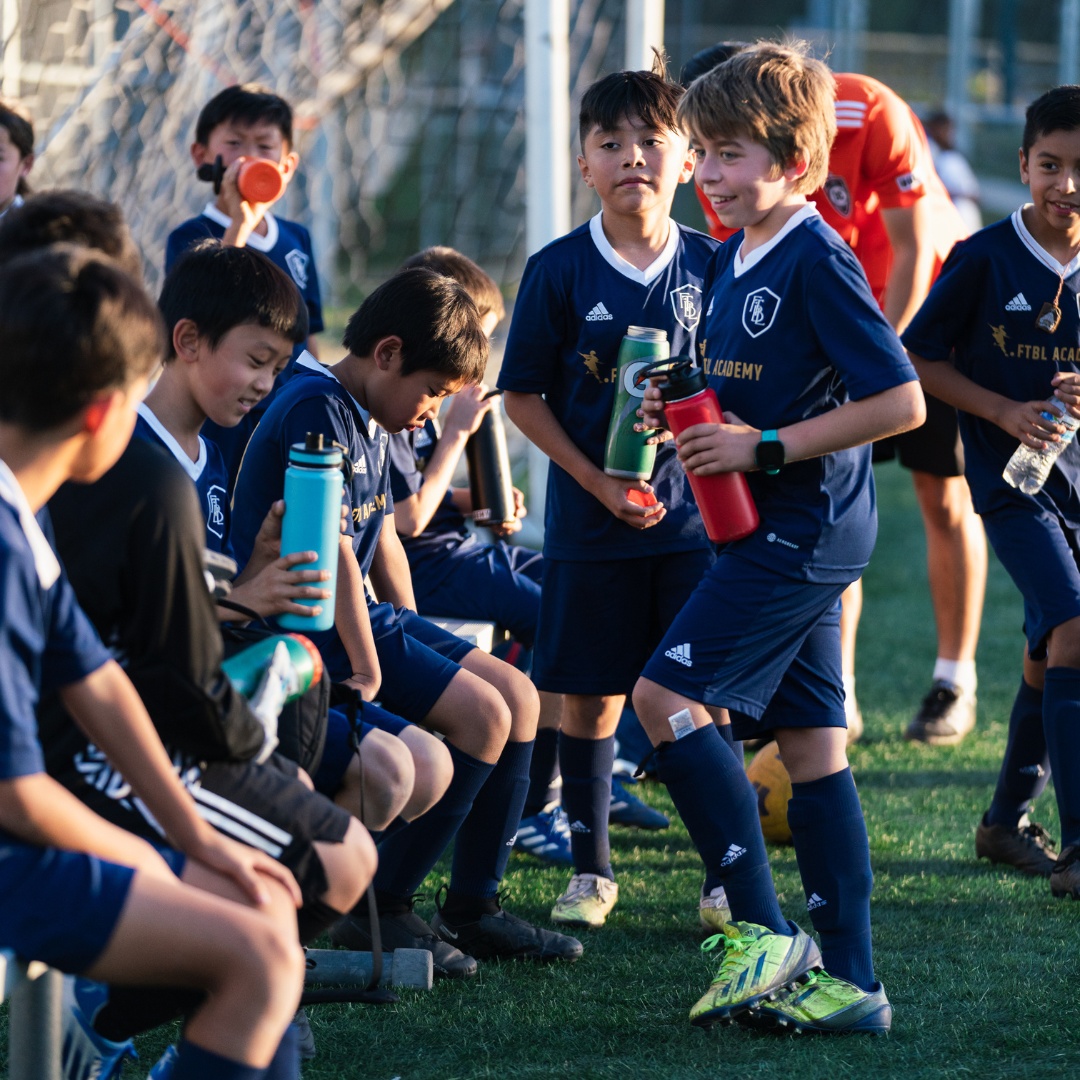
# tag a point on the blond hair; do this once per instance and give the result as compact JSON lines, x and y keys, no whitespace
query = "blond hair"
{"x":777,"y":96}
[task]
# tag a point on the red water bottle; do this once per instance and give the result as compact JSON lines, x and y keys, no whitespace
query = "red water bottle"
{"x":724,"y":500}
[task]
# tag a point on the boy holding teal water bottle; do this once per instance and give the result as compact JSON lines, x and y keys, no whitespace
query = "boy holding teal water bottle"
{"x":628,"y":566}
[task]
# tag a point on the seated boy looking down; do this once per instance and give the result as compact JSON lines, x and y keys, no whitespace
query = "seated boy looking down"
{"x":245,"y":123}
{"x":416,"y":339}
{"x":81,"y":339}
{"x":811,"y":372}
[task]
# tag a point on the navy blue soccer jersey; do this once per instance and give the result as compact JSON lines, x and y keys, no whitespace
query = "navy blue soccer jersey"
{"x":314,"y":401}
{"x":791,"y":332}
{"x":576,"y":300}
{"x":209,"y":475}
{"x":982,"y":311}
{"x":45,"y":639}
{"x":286,"y":243}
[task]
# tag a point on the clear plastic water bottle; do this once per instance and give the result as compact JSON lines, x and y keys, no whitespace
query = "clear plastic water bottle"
{"x":1028,"y":468}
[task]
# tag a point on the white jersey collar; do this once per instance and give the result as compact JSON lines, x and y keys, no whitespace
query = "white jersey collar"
{"x":306,"y":360}
{"x":741,"y":265}
{"x":1063,"y":269}
{"x":46,"y":563}
{"x":194,"y":469}
{"x":259,"y":243}
{"x":627,"y":269}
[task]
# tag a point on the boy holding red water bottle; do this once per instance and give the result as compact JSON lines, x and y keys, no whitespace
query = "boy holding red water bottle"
{"x":800,"y":354}
{"x":615,"y":571}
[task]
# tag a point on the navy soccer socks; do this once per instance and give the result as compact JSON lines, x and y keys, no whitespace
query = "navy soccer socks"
{"x":1025,"y":768}
{"x":712,"y":878}
{"x":407,"y":857}
{"x":833,"y":852}
{"x":1061,"y":722}
{"x":484,"y":841}
{"x":542,"y":771}
{"x":286,"y":1063}
{"x":586,"y":766}
{"x":195,"y":1063}
{"x":717,"y":803}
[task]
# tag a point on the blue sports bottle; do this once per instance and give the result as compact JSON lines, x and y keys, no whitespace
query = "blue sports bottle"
{"x":313,"y":491}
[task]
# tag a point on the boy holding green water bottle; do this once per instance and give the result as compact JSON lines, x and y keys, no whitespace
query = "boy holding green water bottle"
{"x":629,"y":565}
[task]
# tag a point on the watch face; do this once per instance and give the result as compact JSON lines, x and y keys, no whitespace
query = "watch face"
{"x":770,"y":455}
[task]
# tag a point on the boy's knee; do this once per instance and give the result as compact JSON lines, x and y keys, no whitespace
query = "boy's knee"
{"x":388,"y":774}
{"x":524,"y":703}
{"x":433,"y":770}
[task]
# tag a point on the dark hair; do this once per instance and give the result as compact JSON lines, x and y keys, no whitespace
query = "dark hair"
{"x":649,"y":95}
{"x":1056,"y":110}
{"x":248,"y":103}
{"x":479,"y":285}
{"x":434,"y":316}
{"x":72,"y":217}
{"x":709,"y":58}
{"x":20,"y":129}
{"x":74,"y":325}
{"x":218,"y":287}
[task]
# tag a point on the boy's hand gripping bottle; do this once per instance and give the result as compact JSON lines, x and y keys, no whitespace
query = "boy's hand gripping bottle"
{"x":1028,"y":469}
{"x":312,"y":522}
{"x":627,"y":454}
{"x":259,"y":180}
{"x":724,"y":500}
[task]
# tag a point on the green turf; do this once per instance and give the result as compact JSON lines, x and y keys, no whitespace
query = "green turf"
{"x":978,"y":963}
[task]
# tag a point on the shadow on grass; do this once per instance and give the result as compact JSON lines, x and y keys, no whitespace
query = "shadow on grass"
{"x":925,"y":778}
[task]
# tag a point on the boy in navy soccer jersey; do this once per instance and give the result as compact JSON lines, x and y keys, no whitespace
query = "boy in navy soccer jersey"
{"x":609,"y":564}
{"x":81,"y":340}
{"x":240,"y":124}
{"x":997,"y":335}
{"x":802,"y":357}
{"x":415,"y":340}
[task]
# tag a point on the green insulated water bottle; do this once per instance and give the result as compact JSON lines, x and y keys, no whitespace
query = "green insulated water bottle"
{"x":627,"y":454}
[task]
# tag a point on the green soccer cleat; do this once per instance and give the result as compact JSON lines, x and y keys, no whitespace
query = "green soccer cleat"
{"x":756,"y":964}
{"x":827,"y":1005}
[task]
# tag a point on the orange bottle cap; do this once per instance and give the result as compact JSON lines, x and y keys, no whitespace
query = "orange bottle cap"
{"x":640,"y":498}
{"x":260,"y":181}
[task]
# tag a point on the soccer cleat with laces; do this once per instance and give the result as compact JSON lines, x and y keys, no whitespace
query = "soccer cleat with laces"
{"x":504,"y":936}
{"x":404,"y":930}
{"x":1065,"y":879}
{"x":546,"y":836}
{"x":827,"y":1005}
{"x":627,"y":809}
{"x":1028,"y":847}
{"x":946,"y":715}
{"x":588,"y":901}
{"x":755,"y":965}
{"x":714,"y":912}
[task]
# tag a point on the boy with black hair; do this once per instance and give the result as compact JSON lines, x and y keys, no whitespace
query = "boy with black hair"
{"x":811,"y":372}
{"x":80,"y":342}
{"x":998,"y":334}
{"x":603,"y":553}
{"x":416,"y":339}
{"x":242,"y":123}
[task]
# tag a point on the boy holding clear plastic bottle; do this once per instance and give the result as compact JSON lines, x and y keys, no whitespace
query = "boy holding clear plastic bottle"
{"x":997,"y":336}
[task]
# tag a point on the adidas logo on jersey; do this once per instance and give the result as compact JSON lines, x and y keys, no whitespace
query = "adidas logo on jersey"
{"x":680,"y":654}
{"x":599,"y":314}
{"x":1018,"y":303}
{"x":733,"y":853}
{"x":1035,"y":770}
{"x":815,"y":901}
{"x":359,"y":467}
{"x":579,"y":826}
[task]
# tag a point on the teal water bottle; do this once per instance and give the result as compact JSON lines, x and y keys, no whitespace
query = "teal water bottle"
{"x":627,"y":454}
{"x":246,"y":668}
{"x":313,"y":491}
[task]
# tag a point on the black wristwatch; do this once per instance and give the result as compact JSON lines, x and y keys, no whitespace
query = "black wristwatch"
{"x":769,"y":453}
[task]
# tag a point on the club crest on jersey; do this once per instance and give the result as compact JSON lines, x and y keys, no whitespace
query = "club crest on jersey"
{"x":836,"y":190}
{"x":298,"y":266}
{"x":215,"y":513}
{"x":759,"y":311}
{"x":686,"y":303}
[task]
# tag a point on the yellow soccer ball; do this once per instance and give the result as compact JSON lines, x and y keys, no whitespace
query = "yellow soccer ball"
{"x":773,"y":787}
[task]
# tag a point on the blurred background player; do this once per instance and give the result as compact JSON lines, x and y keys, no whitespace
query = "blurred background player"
{"x":884,"y":198}
{"x":240,"y":124}
{"x":16,"y":153}
{"x":615,"y":572}
{"x":952,"y":167}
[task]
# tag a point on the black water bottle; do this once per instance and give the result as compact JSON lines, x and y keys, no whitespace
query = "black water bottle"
{"x":490,"y":480}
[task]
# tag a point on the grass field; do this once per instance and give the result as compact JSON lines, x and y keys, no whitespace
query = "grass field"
{"x":978,"y":963}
